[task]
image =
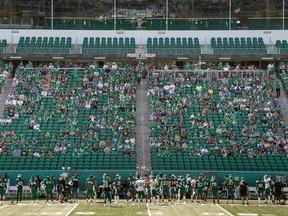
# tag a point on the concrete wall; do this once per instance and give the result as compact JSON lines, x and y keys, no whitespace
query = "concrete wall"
{"x":269,"y":37}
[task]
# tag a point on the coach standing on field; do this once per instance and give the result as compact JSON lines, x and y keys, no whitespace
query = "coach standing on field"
{"x":61,"y":188}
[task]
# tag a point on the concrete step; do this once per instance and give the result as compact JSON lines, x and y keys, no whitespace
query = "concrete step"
{"x":4,"y":95}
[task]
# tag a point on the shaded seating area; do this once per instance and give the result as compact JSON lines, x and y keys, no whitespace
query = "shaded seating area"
{"x":108,"y":45}
{"x":238,"y":45}
{"x":173,"y":45}
{"x":44,"y":45}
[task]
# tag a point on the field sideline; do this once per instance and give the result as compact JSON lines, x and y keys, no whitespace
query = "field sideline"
{"x":131,"y":209}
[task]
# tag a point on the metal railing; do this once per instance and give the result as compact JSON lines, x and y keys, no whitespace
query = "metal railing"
{"x":208,"y":74}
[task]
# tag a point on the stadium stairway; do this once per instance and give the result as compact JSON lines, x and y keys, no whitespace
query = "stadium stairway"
{"x":4,"y":95}
{"x":142,"y":130}
{"x":283,"y":100}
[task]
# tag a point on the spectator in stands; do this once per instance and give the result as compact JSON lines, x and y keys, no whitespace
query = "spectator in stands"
{"x":36,"y":154}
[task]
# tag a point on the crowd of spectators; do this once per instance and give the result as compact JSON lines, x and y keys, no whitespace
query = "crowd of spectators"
{"x":76,"y":111}
{"x":230,"y":117}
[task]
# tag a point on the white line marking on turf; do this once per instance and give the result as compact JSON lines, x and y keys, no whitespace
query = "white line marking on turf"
{"x":224,"y":210}
{"x":51,"y":213}
{"x":212,"y":213}
{"x":148,"y":210}
{"x":85,"y":213}
{"x":247,"y":214}
{"x":71,"y":210}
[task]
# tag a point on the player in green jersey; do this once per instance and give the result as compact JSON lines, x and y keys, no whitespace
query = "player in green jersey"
{"x":164,"y":188}
{"x":90,"y":186}
{"x":172,"y":187}
{"x":75,"y":184}
{"x":230,"y":188}
{"x":205,"y":188}
{"x":213,"y":185}
{"x":48,"y":184}
{"x":199,"y":188}
{"x":131,"y":188}
{"x":19,"y":185}
{"x":2,"y":189}
{"x":117,"y":187}
{"x":33,"y":185}
{"x":181,"y":188}
{"x":260,"y":188}
{"x":107,"y":189}
{"x":54,"y":180}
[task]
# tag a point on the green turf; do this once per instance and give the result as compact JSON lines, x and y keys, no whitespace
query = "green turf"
{"x":263,"y":210}
{"x":172,"y":209}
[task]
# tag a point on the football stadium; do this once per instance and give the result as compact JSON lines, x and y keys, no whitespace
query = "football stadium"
{"x":141,"y":107}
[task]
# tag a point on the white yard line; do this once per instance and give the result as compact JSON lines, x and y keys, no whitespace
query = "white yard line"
{"x":224,"y":210}
{"x":148,"y":210}
{"x":71,"y":210}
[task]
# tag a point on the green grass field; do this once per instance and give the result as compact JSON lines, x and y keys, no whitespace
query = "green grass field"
{"x":131,"y":209}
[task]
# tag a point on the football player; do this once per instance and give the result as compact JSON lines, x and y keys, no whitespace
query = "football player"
{"x":33,"y":185}
{"x":260,"y":188}
{"x":268,"y":186}
{"x":140,"y":188}
{"x":131,"y":188}
{"x":199,"y":186}
{"x":164,"y":188}
{"x":75,"y":185}
{"x":95,"y":189}
{"x":193,"y":192}
{"x":214,"y":189}
{"x":188,"y":185}
{"x":89,"y":189}
{"x":48,"y":184}
{"x":172,"y":187}
{"x":19,"y":185}
{"x":2,"y":189}
{"x":181,"y":188}
{"x":117,"y":188}
{"x":153,"y":188}
{"x":230,"y":188}
{"x":107,"y":189}
{"x":205,"y":187}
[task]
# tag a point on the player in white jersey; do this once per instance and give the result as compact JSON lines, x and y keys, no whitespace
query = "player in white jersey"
{"x":268,"y":183}
{"x":153,"y":188}
{"x":140,"y":188}
{"x":193,"y":192}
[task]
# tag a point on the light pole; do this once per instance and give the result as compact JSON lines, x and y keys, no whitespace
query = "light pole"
{"x":167,"y":14}
{"x":52,"y":14}
{"x":230,"y":8}
{"x":115,"y":14}
{"x":283,"y":15}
